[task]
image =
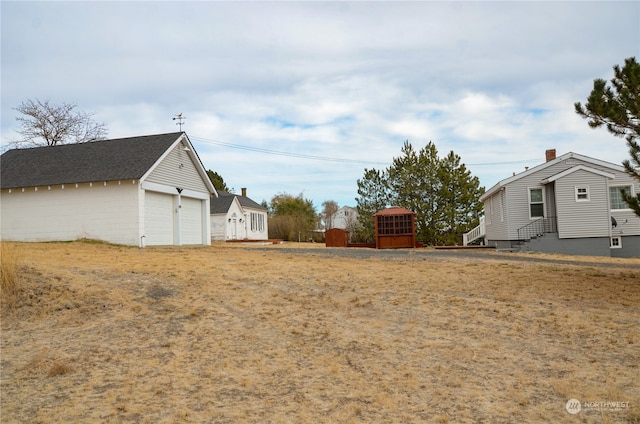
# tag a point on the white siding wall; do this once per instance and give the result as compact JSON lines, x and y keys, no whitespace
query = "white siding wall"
{"x":345,"y":218}
{"x":177,"y":170}
{"x":255,"y":233}
{"x":228,"y":226}
{"x":218,"y":227}
{"x":235,"y":228}
{"x":93,"y":211}
{"x":582,"y":218}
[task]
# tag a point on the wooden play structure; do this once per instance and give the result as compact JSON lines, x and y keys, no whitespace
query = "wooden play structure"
{"x":395,"y":228}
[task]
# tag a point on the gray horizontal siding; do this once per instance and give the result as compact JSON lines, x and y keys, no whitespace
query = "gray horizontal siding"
{"x":518,"y":206}
{"x":518,"y":200}
{"x":178,"y":170}
{"x":578,"y":219}
{"x":496,"y":217}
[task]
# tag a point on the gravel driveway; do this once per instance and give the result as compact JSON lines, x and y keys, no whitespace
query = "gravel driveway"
{"x":448,"y":254}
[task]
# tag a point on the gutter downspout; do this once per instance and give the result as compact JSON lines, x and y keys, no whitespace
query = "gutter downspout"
{"x":177,"y":235}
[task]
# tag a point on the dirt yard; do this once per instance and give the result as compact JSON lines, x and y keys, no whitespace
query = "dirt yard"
{"x":291,"y":334}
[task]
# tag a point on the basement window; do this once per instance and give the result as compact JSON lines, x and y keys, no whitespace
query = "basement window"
{"x":616,"y":242}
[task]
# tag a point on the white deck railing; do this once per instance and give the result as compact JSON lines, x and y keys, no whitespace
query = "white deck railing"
{"x":475,"y":234}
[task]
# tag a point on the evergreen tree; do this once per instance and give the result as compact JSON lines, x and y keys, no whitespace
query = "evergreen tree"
{"x":414,"y":183}
{"x":373,"y":195}
{"x":442,"y":192}
{"x":460,"y":195}
{"x":217,"y":181}
{"x":618,"y":108}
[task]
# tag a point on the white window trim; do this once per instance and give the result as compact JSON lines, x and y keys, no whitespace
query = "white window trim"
{"x":529,"y":203}
{"x":257,"y":222}
{"x":631,"y":190}
{"x":619,"y":245}
{"x":577,"y":192}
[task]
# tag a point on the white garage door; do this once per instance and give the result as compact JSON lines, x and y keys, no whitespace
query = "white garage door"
{"x":158,"y":219}
{"x":191,"y":217}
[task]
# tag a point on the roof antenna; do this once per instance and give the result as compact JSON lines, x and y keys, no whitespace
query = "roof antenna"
{"x":179,"y":118}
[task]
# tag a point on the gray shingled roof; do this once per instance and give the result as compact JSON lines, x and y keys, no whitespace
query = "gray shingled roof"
{"x":222,"y":203}
{"x":108,"y":160}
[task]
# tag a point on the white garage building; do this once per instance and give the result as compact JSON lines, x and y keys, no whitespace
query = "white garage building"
{"x":142,"y":191}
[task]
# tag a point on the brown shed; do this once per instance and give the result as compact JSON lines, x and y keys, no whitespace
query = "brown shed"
{"x":336,"y":237}
{"x":395,"y":228}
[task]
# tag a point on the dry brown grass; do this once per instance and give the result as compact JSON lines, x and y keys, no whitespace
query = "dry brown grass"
{"x":9,"y":275}
{"x":237,"y":334}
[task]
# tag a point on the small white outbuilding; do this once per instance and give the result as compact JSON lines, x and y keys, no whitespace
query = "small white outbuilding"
{"x":237,"y":217}
{"x":141,"y":191}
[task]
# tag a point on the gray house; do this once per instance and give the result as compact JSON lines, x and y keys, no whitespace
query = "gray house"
{"x":570,"y":204}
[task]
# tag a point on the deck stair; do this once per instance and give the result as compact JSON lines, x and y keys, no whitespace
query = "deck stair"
{"x":476,"y":235}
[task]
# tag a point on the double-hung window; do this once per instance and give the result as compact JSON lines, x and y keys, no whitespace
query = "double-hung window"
{"x":582,"y":193}
{"x":536,"y":203}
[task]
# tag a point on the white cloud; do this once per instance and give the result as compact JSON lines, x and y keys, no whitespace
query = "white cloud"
{"x":493,"y":81}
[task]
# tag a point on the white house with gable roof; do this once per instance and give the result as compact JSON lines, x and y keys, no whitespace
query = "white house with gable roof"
{"x":237,"y":217}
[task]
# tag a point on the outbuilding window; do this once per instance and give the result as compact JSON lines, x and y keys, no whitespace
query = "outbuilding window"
{"x":257,"y":222}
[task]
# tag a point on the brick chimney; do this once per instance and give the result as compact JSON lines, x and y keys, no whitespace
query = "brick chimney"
{"x":244,"y":189}
{"x":550,"y":154}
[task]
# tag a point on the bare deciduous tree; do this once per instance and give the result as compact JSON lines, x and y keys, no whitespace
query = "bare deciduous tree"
{"x":329,"y":209}
{"x":44,"y":123}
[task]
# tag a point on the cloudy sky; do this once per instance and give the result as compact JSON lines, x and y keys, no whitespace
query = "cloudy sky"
{"x":301,"y":97}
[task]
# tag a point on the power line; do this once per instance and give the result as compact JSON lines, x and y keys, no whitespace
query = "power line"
{"x":327,"y":158}
{"x":287,"y":154}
